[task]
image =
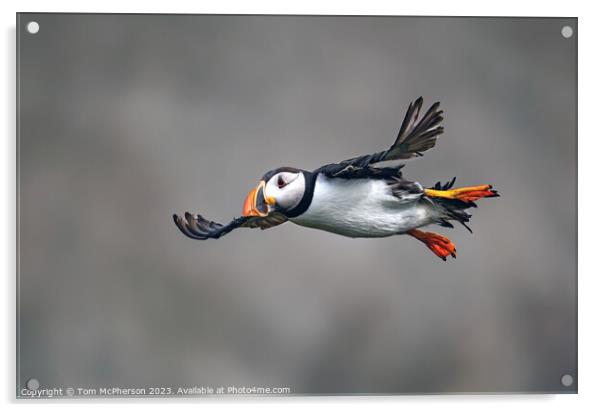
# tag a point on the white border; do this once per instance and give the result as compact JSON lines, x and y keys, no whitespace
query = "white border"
{"x":590,"y":343}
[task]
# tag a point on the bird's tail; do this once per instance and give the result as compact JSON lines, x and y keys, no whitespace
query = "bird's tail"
{"x":454,"y":202}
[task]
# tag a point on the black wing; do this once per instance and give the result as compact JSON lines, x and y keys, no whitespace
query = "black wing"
{"x":197,"y":227}
{"x":414,"y":138}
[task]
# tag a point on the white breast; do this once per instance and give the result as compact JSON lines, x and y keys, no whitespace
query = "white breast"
{"x":361,"y":208}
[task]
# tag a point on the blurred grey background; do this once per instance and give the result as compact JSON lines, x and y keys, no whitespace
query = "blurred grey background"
{"x":126,"y":119}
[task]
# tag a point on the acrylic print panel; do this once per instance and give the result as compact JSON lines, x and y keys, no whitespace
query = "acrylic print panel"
{"x":359,"y":284}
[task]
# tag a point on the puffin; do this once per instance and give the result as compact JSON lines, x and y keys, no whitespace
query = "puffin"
{"x":362,"y":197}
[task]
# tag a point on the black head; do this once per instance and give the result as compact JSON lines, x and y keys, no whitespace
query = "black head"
{"x":287,"y":190}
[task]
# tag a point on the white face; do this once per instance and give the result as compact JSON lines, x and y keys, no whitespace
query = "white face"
{"x":287,"y":188}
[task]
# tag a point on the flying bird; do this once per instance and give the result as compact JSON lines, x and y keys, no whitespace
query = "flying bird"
{"x":363,"y":197}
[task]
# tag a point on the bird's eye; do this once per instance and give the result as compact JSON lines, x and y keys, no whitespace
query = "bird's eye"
{"x":281,"y":182}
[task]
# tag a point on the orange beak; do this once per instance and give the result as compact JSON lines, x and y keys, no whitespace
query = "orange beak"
{"x":257,"y":203}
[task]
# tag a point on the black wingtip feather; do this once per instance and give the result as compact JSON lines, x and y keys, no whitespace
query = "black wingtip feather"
{"x":183,"y":226}
{"x":416,"y":136}
{"x":199,"y":228}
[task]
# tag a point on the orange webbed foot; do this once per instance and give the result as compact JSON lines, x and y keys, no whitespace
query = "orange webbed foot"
{"x":465,"y":194}
{"x":438,"y":244}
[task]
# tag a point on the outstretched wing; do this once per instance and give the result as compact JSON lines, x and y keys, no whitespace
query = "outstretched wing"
{"x":197,"y":227}
{"x":414,"y":138}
